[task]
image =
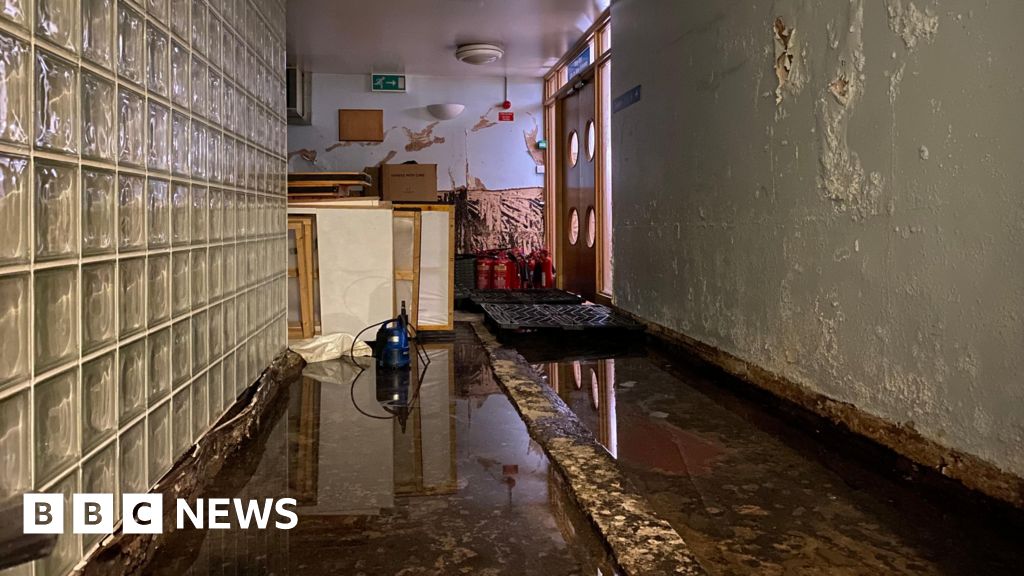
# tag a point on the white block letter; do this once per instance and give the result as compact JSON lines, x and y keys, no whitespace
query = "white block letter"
{"x":143,"y":513}
{"x":43,"y":514}
{"x":92,"y":513}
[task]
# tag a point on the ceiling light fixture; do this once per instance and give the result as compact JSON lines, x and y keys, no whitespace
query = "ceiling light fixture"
{"x":479,"y":53}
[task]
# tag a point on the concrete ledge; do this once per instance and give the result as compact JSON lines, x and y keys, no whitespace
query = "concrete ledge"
{"x":121,"y":553}
{"x":639,"y":541}
{"x":970,"y":471}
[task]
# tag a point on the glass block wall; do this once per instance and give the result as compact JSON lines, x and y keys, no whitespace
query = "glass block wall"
{"x":142,"y":234}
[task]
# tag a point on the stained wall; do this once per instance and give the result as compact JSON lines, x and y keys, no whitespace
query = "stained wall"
{"x":488,"y":167}
{"x":142,"y":235}
{"x":831,"y":191}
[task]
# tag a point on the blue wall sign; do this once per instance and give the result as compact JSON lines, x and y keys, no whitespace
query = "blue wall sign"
{"x":626,"y":99}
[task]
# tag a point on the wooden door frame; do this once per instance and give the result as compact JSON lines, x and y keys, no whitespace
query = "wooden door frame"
{"x":557,"y":87}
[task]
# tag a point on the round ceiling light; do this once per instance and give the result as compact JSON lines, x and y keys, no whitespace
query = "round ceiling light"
{"x":479,"y":53}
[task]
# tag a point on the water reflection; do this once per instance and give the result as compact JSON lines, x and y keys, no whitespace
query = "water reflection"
{"x":588,"y":388}
{"x":437,"y":470}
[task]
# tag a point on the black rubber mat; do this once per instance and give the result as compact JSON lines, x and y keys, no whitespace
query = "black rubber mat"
{"x":542,"y":296}
{"x":560,"y":317}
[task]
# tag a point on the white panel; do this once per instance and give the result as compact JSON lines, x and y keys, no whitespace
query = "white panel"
{"x":435,"y":280}
{"x":356,"y":268}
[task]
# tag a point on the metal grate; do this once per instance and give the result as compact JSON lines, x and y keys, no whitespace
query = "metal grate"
{"x":560,"y":317}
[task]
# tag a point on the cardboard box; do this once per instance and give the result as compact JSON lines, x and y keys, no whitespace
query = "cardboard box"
{"x":409,"y":182}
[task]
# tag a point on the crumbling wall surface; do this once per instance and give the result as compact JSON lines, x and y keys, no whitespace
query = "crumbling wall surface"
{"x":832,"y":191}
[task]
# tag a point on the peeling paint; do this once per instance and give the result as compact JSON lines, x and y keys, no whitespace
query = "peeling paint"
{"x":421,"y":139}
{"x":789,"y":68}
{"x":912,"y":24}
{"x":530,"y":137}
{"x":484,"y":122}
{"x":487,"y":219}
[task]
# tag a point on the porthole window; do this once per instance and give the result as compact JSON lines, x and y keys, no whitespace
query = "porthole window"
{"x":577,"y":374}
{"x":591,"y":140}
{"x":595,"y":390}
{"x":591,"y":227}
{"x":574,"y":227}
{"x":574,"y":148}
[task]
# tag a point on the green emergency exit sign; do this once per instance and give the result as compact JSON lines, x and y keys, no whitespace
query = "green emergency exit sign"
{"x":388,"y":82}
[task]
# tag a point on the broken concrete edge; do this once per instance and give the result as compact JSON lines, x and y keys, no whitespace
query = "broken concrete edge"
{"x":191,"y":474}
{"x":639,"y":541}
{"x":968,"y":470}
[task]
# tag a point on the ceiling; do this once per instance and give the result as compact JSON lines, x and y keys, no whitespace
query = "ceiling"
{"x":419,"y":37}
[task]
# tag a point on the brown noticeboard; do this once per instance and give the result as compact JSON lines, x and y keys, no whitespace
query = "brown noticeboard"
{"x":361,"y":125}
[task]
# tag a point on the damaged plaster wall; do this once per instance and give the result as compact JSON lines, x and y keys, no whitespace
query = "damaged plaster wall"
{"x":831,"y":191}
{"x":488,"y":165}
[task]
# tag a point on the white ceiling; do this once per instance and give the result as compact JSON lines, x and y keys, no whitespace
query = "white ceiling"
{"x":418,"y":37}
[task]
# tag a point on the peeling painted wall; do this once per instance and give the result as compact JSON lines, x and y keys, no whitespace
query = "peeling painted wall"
{"x":853,"y":222}
{"x":487,"y":165}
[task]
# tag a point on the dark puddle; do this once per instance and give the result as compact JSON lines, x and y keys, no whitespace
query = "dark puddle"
{"x":756,"y":489}
{"x":439,"y":478}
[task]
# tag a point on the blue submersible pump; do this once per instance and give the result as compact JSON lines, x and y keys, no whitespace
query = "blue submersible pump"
{"x":393,"y":342}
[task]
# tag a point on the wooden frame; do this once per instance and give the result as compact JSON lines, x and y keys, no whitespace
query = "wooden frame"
{"x":556,"y":88}
{"x":302,"y":226}
{"x":412,"y":274}
{"x":450,"y":325}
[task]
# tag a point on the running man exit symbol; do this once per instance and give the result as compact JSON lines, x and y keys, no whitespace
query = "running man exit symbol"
{"x":388,"y":82}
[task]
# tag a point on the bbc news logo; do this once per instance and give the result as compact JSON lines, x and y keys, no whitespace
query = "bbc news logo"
{"x":143,"y":513}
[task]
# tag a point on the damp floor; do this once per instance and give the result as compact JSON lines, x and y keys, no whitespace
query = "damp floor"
{"x":753,"y":493}
{"x":439,"y":478}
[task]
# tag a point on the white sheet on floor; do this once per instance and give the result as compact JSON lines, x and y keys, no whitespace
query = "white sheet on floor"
{"x":329,"y":347}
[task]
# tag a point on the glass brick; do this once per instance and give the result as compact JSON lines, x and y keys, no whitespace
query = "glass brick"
{"x":228,"y":286}
{"x":56,"y":210}
{"x":15,"y":445}
{"x":199,"y":86}
{"x":197,"y":151}
{"x":199,"y":214}
{"x":216,"y":277}
{"x":56,"y":121}
{"x":56,"y":317}
{"x":13,"y":209}
{"x":158,"y":137}
{"x":179,"y":144}
{"x":179,"y":18}
{"x":181,"y":274}
{"x":131,"y":380}
{"x":15,"y":87}
{"x":14,"y":314}
{"x":181,"y":209}
{"x":230,"y":220}
{"x":229,"y":324}
{"x":131,"y":128}
{"x":159,"y":444}
{"x":131,"y":46}
{"x":213,"y":159}
{"x":98,"y":306}
{"x":132,"y":452}
{"x":215,"y":385}
{"x":181,"y":338}
{"x":228,"y":112}
{"x":200,"y":342}
{"x":230,"y":393}
{"x":216,"y":214}
{"x":67,"y":550}
{"x":216,"y":335}
{"x":131,"y":212}
{"x":97,"y":211}
{"x":99,"y":401}
{"x":200,"y":407}
{"x":56,"y":425}
{"x":213,"y":38}
{"x":199,"y":26}
{"x":57,"y":21}
{"x":180,"y":75}
{"x":158,"y":213}
{"x":97,"y":117}
{"x":98,"y":31}
{"x":15,"y":11}
{"x":132,"y":295}
{"x":159,"y":365}
{"x":159,"y":272}
{"x":157,"y":9}
{"x":99,"y":476}
{"x":158,"y":63}
{"x":199,"y":278}
{"x":181,"y":422}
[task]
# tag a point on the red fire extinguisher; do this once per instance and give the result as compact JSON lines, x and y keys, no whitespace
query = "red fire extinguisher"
{"x":516,"y":278}
{"x":484,"y":271}
{"x":544,"y":269}
{"x":503,"y":270}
